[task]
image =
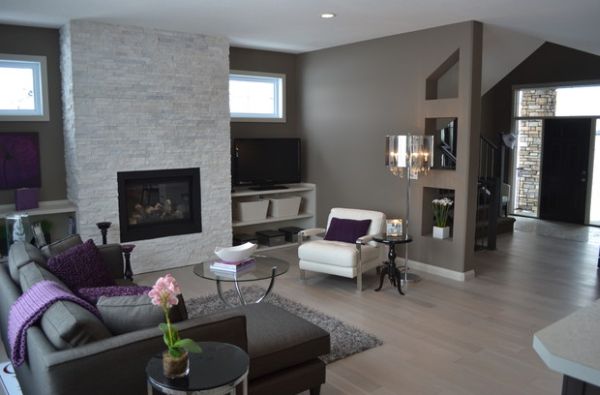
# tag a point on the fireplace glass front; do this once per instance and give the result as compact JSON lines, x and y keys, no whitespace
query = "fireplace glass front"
{"x":159,"y":203}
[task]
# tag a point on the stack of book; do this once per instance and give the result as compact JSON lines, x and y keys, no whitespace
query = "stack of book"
{"x":231,"y":268}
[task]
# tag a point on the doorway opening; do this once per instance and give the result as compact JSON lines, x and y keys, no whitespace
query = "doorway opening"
{"x":595,"y":205}
{"x":543,"y":171}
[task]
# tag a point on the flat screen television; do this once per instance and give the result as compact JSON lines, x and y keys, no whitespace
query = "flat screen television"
{"x":265,"y":163}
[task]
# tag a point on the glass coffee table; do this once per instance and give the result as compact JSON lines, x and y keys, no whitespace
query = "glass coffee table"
{"x":264,"y":268}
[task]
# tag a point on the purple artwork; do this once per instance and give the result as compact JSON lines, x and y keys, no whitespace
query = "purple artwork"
{"x":19,"y":160}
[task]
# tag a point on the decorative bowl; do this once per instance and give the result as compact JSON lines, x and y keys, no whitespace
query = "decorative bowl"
{"x":235,"y":254}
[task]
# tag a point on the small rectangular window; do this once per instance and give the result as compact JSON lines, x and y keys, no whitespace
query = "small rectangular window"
{"x":24,"y":94}
{"x":256,"y":97}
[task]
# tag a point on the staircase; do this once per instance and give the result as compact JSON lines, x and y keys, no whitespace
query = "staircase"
{"x":489,"y":222}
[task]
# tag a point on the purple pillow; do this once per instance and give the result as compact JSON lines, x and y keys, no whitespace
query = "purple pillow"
{"x":93,"y":294}
{"x":81,"y":266}
{"x":347,"y":230}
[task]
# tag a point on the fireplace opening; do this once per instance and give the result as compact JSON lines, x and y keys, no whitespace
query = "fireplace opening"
{"x":159,"y":203}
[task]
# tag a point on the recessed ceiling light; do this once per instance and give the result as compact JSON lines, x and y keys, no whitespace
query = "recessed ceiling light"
{"x":327,"y":15}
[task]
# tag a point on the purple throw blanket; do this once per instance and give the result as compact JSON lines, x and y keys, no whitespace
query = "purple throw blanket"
{"x":29,"y":308}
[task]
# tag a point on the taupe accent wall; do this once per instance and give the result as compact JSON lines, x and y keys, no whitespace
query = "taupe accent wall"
{"x":352,"y":96}
{"x":24,"y":40}
{"x":549,"y":64}
{"x":268,"y":62}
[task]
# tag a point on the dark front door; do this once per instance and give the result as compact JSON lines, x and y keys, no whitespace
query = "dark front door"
{"x":564,"y":169}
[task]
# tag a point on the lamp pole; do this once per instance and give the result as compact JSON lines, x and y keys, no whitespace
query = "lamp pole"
{"x":409,"y":277}
{"x":407,"y":221}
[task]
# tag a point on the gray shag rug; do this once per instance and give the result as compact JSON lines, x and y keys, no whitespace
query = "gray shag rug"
{"x":345,"y":339}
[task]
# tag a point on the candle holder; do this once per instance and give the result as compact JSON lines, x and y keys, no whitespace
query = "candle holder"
{"x":127,"y":249}
{"x":103,"y":226}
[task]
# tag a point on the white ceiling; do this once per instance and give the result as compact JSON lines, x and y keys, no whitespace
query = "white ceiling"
{"x":295,"y":26}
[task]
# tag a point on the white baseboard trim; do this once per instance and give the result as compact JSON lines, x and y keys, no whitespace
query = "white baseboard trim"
{"x":440,"y":271}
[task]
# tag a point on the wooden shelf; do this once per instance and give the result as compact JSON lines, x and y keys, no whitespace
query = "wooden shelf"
{"x":305,"y":218}
{"x":292,"y":188}
{"x":263,"y":248}
{"x":237,"y":224}
{"x":430,"y":236}
{"x":45,"y":208}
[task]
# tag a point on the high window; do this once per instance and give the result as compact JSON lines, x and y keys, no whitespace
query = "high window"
{"x":256,"y":97}
{"x":23,"y":96}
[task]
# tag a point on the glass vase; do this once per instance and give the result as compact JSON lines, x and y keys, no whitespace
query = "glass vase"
{"x":176,"y":367}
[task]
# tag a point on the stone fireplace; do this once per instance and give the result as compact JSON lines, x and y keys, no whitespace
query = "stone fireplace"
{"x":159,"y":203}
{"x":146,"y":100}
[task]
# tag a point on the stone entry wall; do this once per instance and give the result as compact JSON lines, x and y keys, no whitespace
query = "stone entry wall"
{"x":532,"y":103}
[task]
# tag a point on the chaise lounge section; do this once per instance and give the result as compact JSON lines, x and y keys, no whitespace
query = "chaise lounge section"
{"x":72,"y":352}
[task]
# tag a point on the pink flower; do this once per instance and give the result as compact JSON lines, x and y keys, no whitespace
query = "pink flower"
{"x":164,"y":292}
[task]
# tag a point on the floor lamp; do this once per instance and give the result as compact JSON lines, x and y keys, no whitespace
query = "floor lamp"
{"x":410,"y":155}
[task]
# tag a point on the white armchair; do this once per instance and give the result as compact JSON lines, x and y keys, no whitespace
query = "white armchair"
{"x":341,"y":258}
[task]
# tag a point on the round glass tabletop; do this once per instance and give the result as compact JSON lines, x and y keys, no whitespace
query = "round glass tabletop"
{"x":260,"y":269}
{"x":218,"y":364}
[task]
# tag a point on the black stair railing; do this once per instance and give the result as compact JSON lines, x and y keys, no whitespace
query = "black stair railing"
{"x":488,"y":195}
{"x":448,"y":158}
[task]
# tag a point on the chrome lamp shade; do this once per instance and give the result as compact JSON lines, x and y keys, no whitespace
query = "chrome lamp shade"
{"x":409,"y":153}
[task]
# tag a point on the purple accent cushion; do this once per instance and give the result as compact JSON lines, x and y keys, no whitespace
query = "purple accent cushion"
{"x":81,"y":266}
{"x":93,"y":294}
{"x":347,"y":230}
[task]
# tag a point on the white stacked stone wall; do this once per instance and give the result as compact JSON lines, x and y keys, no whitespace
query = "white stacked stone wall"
{"x":533,"y":103}
{"x":143,"y":99}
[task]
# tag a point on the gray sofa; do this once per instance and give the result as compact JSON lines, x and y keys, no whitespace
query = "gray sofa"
{"x":72,"y":352}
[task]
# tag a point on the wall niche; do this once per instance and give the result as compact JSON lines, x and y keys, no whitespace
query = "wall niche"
{"x":443,"y":82}
{"x":429,"y":194}
{"x":445,"y":132}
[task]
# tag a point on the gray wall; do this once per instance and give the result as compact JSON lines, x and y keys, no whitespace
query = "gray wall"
{"x":40,"y":42}
{"x":352,"y":96}
{"x":503,"y":50}
{"x":268,"y":62}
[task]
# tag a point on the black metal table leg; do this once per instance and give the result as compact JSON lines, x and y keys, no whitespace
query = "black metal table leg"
{"x":382,"y":274}
{"x":389,"y":268}
{"x":398,"y":276}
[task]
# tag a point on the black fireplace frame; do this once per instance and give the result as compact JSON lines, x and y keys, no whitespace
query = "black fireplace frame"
{"x":156,"y":230}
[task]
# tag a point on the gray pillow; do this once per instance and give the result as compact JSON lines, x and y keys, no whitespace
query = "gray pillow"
{"x":32,"y":273}
{"x":68,"y":325}
{"x":61,"y":246}
{"x":122,"y":314}
{"x":65,"y":324}
{"x":21,"y":253}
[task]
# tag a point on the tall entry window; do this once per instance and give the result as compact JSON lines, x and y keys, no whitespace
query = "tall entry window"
{"x":533,"y":108}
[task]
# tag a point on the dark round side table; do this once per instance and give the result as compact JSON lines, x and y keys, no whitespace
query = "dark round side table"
{"x":390,"y":269}
{"x":217,"y":370}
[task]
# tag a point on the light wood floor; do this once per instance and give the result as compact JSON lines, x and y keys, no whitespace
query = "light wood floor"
{"x":446,"y":337}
